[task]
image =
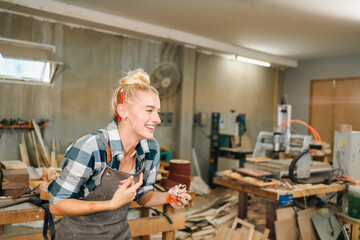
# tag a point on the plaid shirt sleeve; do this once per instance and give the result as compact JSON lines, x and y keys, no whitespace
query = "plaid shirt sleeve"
{"x":78,"y":166}
{"x":151,"y":164}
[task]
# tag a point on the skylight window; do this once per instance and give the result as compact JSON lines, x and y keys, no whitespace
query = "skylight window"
{"x":23,"y":62}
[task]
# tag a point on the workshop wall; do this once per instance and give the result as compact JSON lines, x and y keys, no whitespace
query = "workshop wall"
{"x":79,"y":100}
{"x":297,"y":81}
{"x":222,"y":85}
{"x":28,"y":101}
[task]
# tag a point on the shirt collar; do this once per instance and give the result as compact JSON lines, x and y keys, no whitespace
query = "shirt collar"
{"x":116,"y":148}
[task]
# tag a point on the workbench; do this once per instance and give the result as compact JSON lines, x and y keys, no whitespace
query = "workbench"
{"x":27,"y":212}
{"x":272,"y":196}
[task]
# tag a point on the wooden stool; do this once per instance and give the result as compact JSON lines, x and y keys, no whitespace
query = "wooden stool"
{"x":354,"y":223}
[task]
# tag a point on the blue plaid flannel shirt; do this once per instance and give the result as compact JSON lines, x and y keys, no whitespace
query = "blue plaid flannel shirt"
{"x":85,"y":161}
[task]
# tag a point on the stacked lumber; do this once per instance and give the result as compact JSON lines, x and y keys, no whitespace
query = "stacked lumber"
{"x":14,"y":178}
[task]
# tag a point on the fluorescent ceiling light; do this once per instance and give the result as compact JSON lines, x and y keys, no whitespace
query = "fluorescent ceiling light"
{"x":253,"y":61}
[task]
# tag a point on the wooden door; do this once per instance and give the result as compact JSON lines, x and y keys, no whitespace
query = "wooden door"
{"x":334,"y":102}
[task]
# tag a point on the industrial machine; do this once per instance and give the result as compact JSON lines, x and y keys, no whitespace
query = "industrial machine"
{"x":224,"y":126}
{"x":347,"y":153}
{"x":281,"y":140}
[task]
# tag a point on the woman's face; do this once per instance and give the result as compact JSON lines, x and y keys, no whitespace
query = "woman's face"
{"x":143,"y":115}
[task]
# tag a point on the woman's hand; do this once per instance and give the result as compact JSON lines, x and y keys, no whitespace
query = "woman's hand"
{"x":126,"y":192}
{"x":181,"y":203}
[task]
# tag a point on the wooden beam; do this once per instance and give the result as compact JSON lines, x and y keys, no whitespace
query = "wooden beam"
{"x":31,"y":236}
{"x":318,"y":189}
{"x":24,"y":215}
{"x":150,"y":225}
{"x":246,"y":188}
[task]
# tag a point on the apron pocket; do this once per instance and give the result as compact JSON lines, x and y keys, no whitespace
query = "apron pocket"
{"x":84,"y":236}
{"x":106,"y":215}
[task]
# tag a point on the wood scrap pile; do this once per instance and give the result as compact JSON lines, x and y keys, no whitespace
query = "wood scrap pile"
{"x":216,"y":220}
{"x":256,"y":210}
{"x":293,"y":223}
{"x":47,"y":177}
{"x":38,"y":154}
{"x":241,"y":230}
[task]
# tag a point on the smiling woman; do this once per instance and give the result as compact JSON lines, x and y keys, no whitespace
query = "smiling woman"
{"x":104,"y":171}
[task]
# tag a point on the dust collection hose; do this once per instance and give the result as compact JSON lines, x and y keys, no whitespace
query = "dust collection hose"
{"x":293,"y":164}
{"x":297,"y":158}
{"x":312,"y":146}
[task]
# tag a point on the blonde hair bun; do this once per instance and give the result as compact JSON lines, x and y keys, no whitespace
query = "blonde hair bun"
{"x":137,"y":76}
{"x":135,"y":82}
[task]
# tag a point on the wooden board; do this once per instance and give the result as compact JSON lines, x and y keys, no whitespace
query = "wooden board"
{"x":253,"y":172}
{"x":43,"y":149}
{"x":286,"y":229}
{"x":283,"y":164}
{"x":246,"y":228}
{"x":285,"y":213}
{"x":30,"y":236}
{"x":12,"y":164}
{"x":273,"y":193}
{"x":307,"y":230}
{"x":150,"y":225}
{"x":23,"y":150}
{"x":225,"y":233}
{"x":248,"y":180}
{"x":258,"y":159}
{"x":36,"y":153}
{"x":24,"y":215}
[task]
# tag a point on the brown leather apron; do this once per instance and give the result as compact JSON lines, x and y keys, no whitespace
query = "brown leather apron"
{"x":100,"y":225}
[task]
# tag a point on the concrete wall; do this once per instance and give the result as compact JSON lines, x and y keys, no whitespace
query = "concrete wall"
{"x":223,"y":84}
{"x":297,"y":81}
{"x":79,"y":101}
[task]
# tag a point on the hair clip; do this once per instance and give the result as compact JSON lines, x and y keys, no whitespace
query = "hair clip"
{"x":120,"y":101}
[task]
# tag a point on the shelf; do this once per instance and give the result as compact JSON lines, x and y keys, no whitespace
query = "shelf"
{"x":20,"y":127}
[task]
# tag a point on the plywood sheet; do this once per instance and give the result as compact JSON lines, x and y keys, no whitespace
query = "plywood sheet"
{"x":285,"y":213}
{"x":286,"y":229}
{"x":306,"y":228}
